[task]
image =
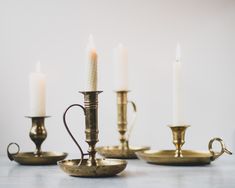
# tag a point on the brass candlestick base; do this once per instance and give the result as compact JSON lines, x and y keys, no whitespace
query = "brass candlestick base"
{"x":123,"y":151}
{"x":37,"y":134}
{"x":91,"y":167}
{"x":183,"y":157}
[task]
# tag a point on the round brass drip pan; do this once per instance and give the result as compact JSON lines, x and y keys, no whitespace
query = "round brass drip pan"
{"x":45,"y":158}
{"x":167,"y":157}
{"x":103,"y":168}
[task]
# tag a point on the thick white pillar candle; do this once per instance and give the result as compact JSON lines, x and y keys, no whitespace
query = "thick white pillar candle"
{"x":37,"y":92}
{"x":121,"y":68}
{"x":177,"y":89}
{"x":91,"y":66}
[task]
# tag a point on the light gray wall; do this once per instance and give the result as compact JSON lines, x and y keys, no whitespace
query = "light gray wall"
{"x":56,"y":33}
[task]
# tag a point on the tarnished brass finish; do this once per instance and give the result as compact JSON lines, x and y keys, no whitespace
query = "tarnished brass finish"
{"x":91,"y":167}
{"x":183,"y":157}
{"x":91,"y":112}
{"x":37,"y":134}
{"x":103,"y":167}
{"x":178,"y":133}
{"x":123,"y":151}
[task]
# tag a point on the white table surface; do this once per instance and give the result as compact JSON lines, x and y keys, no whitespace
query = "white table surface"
{"x":221,"y":173}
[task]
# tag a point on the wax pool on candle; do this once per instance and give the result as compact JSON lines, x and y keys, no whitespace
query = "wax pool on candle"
{"x":177,"y":89}
{"x":91,"y":66}
{"x":121,"y":68}
{"x":37,"y":92}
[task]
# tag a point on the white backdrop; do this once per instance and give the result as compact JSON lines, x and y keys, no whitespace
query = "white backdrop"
{"x":56,"y":33}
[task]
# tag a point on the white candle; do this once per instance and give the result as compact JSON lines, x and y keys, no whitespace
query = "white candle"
{"x":37,"y":92}
{"x":121,"y":68}
{"x":177,"y":89}
{"x":91,"y":66}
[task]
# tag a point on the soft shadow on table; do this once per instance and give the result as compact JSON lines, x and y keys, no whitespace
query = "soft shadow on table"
{"x":17,"y":169}
{"x":129,"y":173}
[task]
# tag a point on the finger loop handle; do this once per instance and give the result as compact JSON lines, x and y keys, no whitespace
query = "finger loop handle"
{"x":71,"y":135}
{"x":215,"y":155}
{"x":11,"y":155}
{"x":132,"y":124}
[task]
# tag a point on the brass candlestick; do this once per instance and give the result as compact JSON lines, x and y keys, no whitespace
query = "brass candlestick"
{"x":183,"y":157}
{"x":91,"y":167}
{"x":37,"y":134}
{"x":123,"y":151}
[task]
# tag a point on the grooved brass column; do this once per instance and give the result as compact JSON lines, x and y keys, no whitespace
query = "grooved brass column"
{"x":91,"y":111}
{"x":122,"y":117}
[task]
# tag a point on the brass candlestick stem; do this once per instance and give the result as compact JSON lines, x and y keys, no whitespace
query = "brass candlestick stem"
{"x":178,"y":133}
{"x":91,"y":112}
{"x":122,"y":118}
{"x":123,"y":150}
{"x":91,"y":167}
{"x":37,"y":134}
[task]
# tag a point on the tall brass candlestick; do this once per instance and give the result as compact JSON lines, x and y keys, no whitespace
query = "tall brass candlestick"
{"x":91,"y":111}
{"x":123,"y":150}
{"x":122,"y":118}
{"x":91,"y":167}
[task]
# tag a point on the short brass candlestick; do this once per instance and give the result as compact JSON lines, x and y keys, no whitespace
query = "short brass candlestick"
{"x":37,"y":134}
{"x":123,"y":151}
{"x":178,"y":133}
{"x":91,"y":167}
{"x":183,"y":157}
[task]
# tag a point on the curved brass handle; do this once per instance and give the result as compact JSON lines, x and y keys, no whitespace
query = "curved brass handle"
{"x":11,"y":155}
{"x":67,"y":128}
{"x":132,"y":121}
{"x":215,"y":155}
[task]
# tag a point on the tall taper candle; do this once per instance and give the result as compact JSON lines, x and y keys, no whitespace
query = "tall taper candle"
{"x":37,"y":92}
{"x":177,"y":89}
{"x":121,"y":68}
{"x":91,"y":66}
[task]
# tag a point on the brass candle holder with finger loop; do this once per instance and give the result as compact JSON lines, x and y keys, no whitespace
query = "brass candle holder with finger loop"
{"x":181,"y":156}
{"x":91,"y":166}
{"x":38,"y":134}
{"x":123,"y":150}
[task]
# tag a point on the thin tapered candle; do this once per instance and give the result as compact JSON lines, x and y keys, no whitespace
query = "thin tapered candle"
{"x":177,"y":89}
{"x":91,"y":66}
